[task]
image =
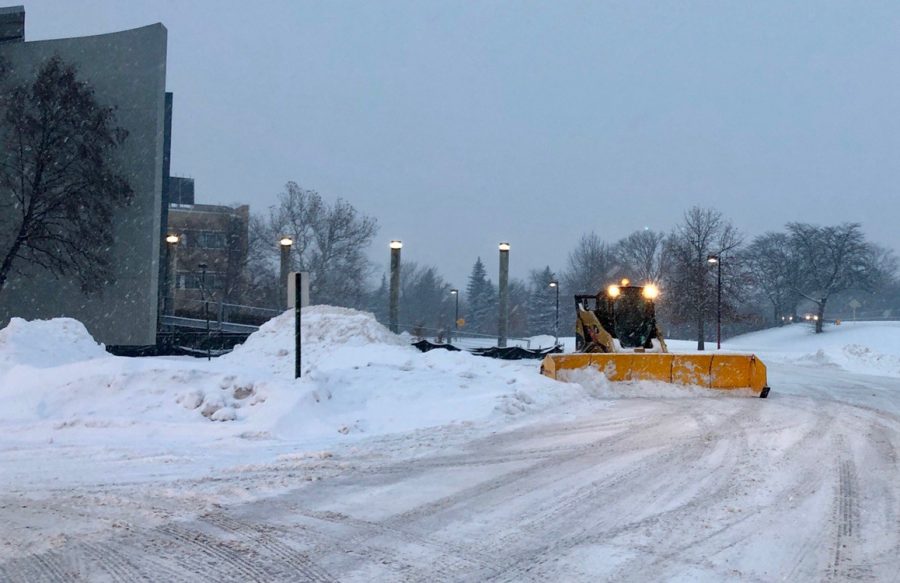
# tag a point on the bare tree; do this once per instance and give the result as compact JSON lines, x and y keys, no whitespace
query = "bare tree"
{"x":591,"y":266}
{"x":690,"y":292}
{"x":772,"y":265}
{"x":58,"y":188}
{"x":329,"y":242}
{"x":832,"y":259}
{"x":260,"y":273}
{"x":641,"y":255}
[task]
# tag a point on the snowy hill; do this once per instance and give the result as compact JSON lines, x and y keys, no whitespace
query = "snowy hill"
{"x":861,"y":347}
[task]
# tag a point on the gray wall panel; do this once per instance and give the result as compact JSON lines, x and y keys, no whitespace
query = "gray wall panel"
{"x":127,"y":70}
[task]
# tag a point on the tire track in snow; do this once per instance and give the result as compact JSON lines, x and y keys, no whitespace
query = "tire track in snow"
{"x":676,"y":455}
{"x":263,"y":540}
{"x":48,"y":566}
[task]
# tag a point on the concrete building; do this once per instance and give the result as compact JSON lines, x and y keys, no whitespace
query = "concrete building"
{"x":211,"y":235}
{"x":126,"y":70}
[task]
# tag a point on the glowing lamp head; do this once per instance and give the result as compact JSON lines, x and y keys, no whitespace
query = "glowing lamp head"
{"x":453,"y":292}
{"x":396,"y":244}
{"x":650,"y":291}
{"x":504,"y":246}
{"x":285,"y":241}
{"x":624,"y":282}
{"x":554,"y":284}
{"x":712,"y":259}
{"x":613,"y":291}
{"x":172,"y":239}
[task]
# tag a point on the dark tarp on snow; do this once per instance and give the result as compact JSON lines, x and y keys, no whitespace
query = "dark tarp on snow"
{"x":508,"y":353}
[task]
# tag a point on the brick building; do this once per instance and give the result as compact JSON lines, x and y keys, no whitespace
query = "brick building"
{"x":212,"y":235}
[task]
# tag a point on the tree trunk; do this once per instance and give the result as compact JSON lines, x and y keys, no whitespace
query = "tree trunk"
{"x":700,"y":333}
{"x":778,"y":321}
{"x":10,"y":255}
{"x":821,"y":320}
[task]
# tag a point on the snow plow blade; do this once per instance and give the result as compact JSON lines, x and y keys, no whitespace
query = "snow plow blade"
{"x":714,"y":371}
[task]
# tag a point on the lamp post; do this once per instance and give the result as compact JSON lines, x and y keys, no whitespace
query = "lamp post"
{"x":171,"y":248}
{"x":394,"y":308}
{"x":203,"y":267}
{"x":555,"y":285}
{"x":504,"y":295}
{"x":285,"y":244}
{"x":455,"y":293}
{"x":717,"y":261}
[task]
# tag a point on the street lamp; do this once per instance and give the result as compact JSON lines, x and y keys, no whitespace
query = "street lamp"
{"x":394,"y":308}
{"x":716,"y":260}
{"x":555,"y":285}
{"x":203,"y":267}
{"x":171,"y":247}
{"x":455,"y":292}
{"x":285,"y":244}
{"x":504,"y":295}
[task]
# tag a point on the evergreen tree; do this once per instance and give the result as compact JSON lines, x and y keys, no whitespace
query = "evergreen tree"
{"x":541,"y":302}
{"x":481,"y":302}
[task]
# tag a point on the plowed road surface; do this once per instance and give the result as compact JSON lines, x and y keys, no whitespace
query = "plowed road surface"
{"x":803,"y":486}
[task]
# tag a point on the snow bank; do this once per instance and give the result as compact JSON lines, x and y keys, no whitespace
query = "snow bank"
{"x":46,"y":343}
{"x":359,"y":379}
{"x":326,"y":331}
{"x":863,"y":347}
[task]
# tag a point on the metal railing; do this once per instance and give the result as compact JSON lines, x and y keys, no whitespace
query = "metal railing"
{"x":220,"y":313}
{"x":460,"y":339}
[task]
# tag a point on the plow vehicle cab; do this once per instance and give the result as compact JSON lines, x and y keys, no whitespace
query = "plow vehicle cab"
{"x":616,"y":333}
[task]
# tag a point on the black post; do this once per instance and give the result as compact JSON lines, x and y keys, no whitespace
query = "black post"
{"x":205,"y":307}
{"x":719,"y":307}
{"x":456,"y":321}
{"x":557,"y":313}
{"x":298,"y":303}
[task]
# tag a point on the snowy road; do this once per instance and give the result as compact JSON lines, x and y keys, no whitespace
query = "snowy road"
{"x":802,"y":486}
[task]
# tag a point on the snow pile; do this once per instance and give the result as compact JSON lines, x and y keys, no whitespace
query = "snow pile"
{"x":863,"y":347}
{"x":359,"y":379}
{"x":325,"y":331}
{"x":46,"y":343}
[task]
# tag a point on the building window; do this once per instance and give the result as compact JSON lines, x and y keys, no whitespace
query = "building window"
{"x":211,"y":240}
{"x":194,"y":280}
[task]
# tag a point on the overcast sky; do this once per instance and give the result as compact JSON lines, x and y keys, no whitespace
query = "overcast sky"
{"x":461,"y":124}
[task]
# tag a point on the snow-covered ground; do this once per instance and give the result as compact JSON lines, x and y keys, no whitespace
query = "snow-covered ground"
{"x":383,"y":463}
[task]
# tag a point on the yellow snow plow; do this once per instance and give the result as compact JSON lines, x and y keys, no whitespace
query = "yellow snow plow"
{"x":616,"y":333}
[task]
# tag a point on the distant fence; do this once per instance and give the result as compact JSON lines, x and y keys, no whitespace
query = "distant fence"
{"x":219,"y":312}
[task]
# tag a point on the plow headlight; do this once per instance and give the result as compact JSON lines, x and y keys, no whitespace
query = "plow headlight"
{"x":612,"y":291}
{"x":650,"y":291}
